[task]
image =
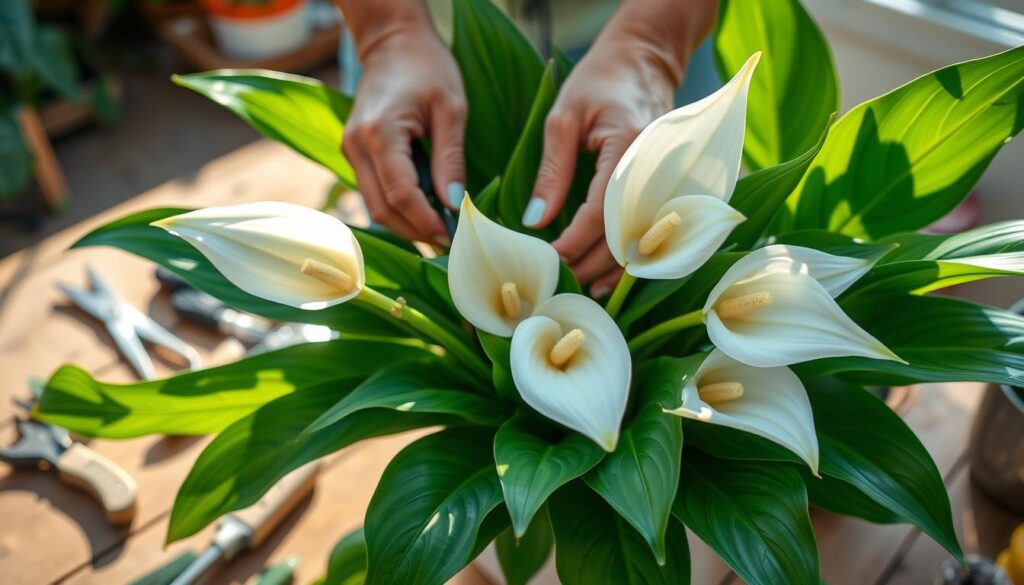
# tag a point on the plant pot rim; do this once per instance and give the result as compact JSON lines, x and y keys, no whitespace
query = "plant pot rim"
{"x":242,"y":11}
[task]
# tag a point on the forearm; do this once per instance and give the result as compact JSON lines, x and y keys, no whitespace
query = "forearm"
{"x":665,"y":32}
{"x":372,"y":22}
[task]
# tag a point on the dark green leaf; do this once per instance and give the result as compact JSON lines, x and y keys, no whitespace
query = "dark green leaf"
{"x":414,"y":387}
{"x":17,"y":33}
{"x":249,"y":456}
{"x":425,"y":517}
{"x":347,"y":564}
{"x":55,"y":63}
{"x":760,"y":195}
{"x":299,"y":112}
{"x":596,"y":546}
{"x":15,"y":159}
{"x":840,"y":497}
{"x":905,"y":159}
{"x":837,"y":244}
{"x":207,"y":401}
{"x":996,"y":238}
{"x":501,"y":71}
{"x":754,"y":515}
{"x":522,"y":557}
{"x":497,"y":350}
{"x":794,"y":90}
{"x":640,"y":478}
{"x":533,"y":461}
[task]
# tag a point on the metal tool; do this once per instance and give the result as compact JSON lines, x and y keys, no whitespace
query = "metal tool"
{"x":248,"y":528}
{"x":128,"y":325}
{"x":47,"y":446}
{"x":421,"y":161}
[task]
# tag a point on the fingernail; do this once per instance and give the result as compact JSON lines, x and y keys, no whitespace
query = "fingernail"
{"x":534,"y":212}
{"x":600,"y":292}
{"x":443,"y":241}
{"x":456,"y":191}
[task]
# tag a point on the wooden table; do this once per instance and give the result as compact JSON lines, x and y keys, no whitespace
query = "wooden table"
{"x":52,"y":533}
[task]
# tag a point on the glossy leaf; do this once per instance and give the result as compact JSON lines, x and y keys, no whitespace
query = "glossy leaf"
{"x":596,"y":546}
{"x":249,"y":456}
{"x":922,"y":276}
{"x":425,"y":517}
{"x":840,"y":497}
{"x":414,"y":387}
{"x":905,"y":159}
{"x":299,"y":112}
{"x":497,"y":350}
{"x":1005,"y":236}
{"x":521,"y":557}
{"x":754,"y":515}
{"x":501,"y":72}
{"x":533,"y":460}
{"x":795,"y":89}
{"x":640,"y":478}
{"x":943,"y":339}
{"x":347,"y":563}
{"x":207,"y":401}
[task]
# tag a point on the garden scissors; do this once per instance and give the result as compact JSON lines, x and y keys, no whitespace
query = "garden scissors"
{"x":127,"y":325}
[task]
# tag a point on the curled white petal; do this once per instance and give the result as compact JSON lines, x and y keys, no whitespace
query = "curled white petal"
{"x":800,"y":321}
{"x":261,"y":247}
{"x":773,"y":405}
{"x":705,"y":222}
{"x":589,"y":393}
{"x":485,"y":256}
{"x":693,"y":150}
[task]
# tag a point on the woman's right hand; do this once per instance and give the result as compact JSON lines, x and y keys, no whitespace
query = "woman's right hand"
{"x":410,"y":89}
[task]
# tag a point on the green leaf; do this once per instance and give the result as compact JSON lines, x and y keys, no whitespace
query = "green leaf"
{"x":533,"y":461}
{"x":497,"y":350}
{"x":760,"y":195}
{"x":905,"y":159}
{"x":413,"y":387}
{"x":487,"y":199}
{"x":640,"y":478}
{"x":299,"y":112}
{"x":521,"y":557}
{"x":795,"y":88}
{"x":754,"y":515}
{"x":347,"y":564}
{"x":922,"y":276}
{"x":248,"y":457}
{"x":840,"y":497}
{"x":15,"y":159}
{"x":943,"y":339}
{"x":207,"y":401}
{"x":425,"y":517}
{"x":17,"y":31}
{"x":595,"y":546}
{"x":55,"y":63}
{"x":837,"y":244}
{"x":501,"y":71}
{"x":996,"y":238}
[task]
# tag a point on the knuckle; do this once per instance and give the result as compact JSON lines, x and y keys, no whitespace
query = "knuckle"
{"x":381,"y":215}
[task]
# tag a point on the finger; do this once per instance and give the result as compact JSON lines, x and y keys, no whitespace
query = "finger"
{"x":586,"y":228}
{"x":610,"y":152}
{"x":596,"y":262}
{"x":603,"y":286}
{"x":366,"y":179}
{"x":392,"y":161}
{"x":557,"y":165}
{"x":448,"y":164}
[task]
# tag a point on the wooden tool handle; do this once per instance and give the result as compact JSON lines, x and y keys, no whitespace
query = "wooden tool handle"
{"x":112,"y":486}
{"x":263,"y":516}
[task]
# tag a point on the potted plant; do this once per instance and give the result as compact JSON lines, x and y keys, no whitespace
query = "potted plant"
{"x":721,"y":389}
{"x":258,"y":29}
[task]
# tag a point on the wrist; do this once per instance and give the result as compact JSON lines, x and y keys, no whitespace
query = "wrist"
{"x":382,"y":25}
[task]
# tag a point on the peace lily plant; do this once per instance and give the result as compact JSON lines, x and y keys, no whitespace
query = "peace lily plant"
{"x":773,"y":279}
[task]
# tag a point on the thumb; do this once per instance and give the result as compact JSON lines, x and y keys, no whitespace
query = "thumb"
{"x":554,"y":176}
{"x":448,"y":163}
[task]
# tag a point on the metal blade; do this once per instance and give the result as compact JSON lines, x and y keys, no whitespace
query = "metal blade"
{"x":87,"y":300}
{"x":123,"y":331}
{"x":151,"y":331}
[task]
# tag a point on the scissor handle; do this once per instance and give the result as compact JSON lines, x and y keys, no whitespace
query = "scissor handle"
{"x":102,"y":478}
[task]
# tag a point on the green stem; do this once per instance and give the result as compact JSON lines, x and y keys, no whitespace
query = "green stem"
{"x":671,"y":326}
{"x":619,"y":294}
{"x":428,"y":327}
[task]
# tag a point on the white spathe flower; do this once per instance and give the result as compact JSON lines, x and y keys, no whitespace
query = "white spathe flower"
{"x":769,"y":402}
{"x":666,"y":208}
{"x":498,"y":276}
{"x":570,"y":362}
{"x":277,"y":251}
{"x":770,"y":310}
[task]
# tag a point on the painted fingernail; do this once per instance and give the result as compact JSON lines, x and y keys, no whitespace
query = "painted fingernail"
{"x":534,"y":212}
{"x":600,"y":292}
{"x":443,"y":241}
{"x":456,"y":191}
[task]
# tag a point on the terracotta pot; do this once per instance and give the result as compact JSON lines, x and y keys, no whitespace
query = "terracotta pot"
{"x":252,"y":31}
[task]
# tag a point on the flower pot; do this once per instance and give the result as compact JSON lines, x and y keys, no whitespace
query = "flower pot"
{"x":252,"y":31}
{"x":997,"y":444}
{"x":488,"y":564}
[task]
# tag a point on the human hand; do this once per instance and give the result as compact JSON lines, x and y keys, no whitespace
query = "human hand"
{"x":411,"y":88}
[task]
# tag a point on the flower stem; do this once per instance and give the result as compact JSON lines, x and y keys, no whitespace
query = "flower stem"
{"x":619,"y":294}
{"x":397,"y":309}
{"x":671,"y":326}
